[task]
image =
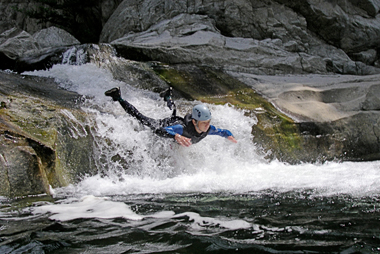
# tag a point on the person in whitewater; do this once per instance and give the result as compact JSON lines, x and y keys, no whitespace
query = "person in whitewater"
{"x":186,"y":131}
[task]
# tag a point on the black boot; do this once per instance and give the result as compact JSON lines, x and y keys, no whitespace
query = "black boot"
{"x":168,"y":97}
{"x":114,"y":93}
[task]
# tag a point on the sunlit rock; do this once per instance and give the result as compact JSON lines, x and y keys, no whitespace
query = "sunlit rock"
{"x":323,"y":31}
{"x":194,"y":39}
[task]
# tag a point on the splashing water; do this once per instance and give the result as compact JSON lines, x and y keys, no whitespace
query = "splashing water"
{"x":141,"y":162}
{"x":152,"y":195}
{"x":134,"y":160}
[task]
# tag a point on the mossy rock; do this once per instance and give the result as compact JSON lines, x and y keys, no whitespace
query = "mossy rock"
{"x":45,"y":139}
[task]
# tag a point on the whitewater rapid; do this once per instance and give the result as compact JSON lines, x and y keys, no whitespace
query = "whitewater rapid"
{"x":130,"y":159}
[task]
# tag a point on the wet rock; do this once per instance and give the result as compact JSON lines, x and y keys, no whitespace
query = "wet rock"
{"x":22,"y":168}
{"x":45,"y":141}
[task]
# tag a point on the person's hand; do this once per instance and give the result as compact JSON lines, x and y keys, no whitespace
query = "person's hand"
{"x":183,"y":141}
{"x":232,"y":139}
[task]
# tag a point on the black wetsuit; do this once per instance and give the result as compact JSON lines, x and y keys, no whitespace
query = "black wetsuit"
{"x":170,"y":126}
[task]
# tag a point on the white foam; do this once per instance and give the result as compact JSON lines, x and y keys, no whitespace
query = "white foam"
{"x":88,"y":207}
{"x":101,"y":207}
{"x":199,"y":222}
{"x":357,"y":179}
{"x":133,"y":160}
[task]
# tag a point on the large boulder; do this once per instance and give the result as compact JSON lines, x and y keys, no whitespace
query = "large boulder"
{"x":45,"y":141}
{"x":335,"y":117}
{"x":343,"y":34}
{"x":249,"y":19}
{"x":195,"y":39}
{"x":260,"y":37}
{"x":54,"y":37}
{"x":20,"y":51}
{"x":15,"y":43}
{"x":350,"y":25}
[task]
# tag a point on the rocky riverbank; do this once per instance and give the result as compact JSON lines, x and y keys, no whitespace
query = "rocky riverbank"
{"x":304,"y":69}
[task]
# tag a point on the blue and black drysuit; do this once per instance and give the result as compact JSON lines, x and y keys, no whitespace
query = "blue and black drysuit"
{"x":169,"y":127}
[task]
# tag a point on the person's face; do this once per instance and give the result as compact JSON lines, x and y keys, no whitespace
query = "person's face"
{"x":201,"y":126}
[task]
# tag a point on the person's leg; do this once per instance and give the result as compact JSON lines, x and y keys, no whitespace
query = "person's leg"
{"x":130,"y":109}
{"x":115,"y":94}
{"x":170,"y":121}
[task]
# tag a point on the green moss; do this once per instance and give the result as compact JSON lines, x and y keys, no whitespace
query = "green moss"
{"x":48,"y":131}
{"x":32,"y":118}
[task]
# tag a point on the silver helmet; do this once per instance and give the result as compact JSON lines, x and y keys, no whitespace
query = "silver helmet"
{"x":201,"y":113}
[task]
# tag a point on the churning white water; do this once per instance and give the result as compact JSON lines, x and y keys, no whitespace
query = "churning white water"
{"x":132,"y":160}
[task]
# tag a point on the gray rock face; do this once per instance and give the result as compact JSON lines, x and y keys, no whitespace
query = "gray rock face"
{"x":315,"y":36}
{"x":350,"y":25}
{"x":268,"y":37}
{"x":54,"y":37}
{"x":16,"y":43}
{"x":337,"y":116}
{"x":21,"y":51}
{"x":16,"y":46}
{"x":372,"y":98}
{"x":12,"y":16}
{"x":250,"y":19}
{"x":194,"y":39}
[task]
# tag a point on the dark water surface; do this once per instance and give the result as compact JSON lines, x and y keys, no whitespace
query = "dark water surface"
{"x":277,"y":223}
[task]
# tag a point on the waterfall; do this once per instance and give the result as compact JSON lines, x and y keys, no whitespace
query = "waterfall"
{"x":76,"y":55}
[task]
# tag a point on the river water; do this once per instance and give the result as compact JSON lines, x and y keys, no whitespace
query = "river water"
{"x":150,"y":195}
